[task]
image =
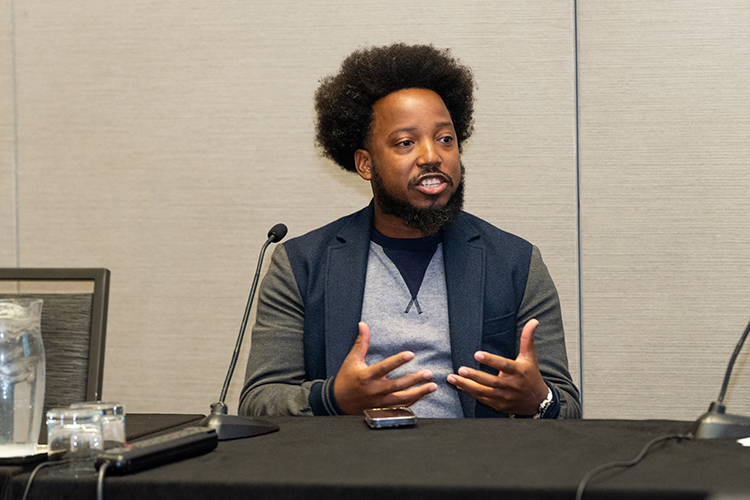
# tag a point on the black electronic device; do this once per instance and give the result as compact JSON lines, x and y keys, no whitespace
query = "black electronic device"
{"x":382,"y":418}
{"x":159,"y":450}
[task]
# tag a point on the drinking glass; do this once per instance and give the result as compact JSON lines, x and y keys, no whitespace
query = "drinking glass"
{"x":113,"y":421}
{"x":76,"y":434}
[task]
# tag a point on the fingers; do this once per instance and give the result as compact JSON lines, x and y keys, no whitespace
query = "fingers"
{"x":526,"y":348}
{"x":410,"y":396}
{"x":358,"y":386}
{"x":409,"y":380}
{"x":503,"y":365}
{"x":383,"y":368}
{"x":359,"y":350}
{"x":518,"y":386}
{"x":477,"y":389}
{"x":526,"y":351}
{"x":361,"y":344}
{"x":483,"y":378}
{"x":481,"y":383}
{"x":403,"y":391}
{"x":500,"y":396}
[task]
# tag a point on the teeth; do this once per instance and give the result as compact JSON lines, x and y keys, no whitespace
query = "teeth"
{"x":431,"y":182}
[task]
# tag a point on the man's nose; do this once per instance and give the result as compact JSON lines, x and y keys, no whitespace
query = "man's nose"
{"x":428,"y":154}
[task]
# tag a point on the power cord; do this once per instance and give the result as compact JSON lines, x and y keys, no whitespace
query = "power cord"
{"x":629,"y":463}
{"x":37,"y":469}
{"x":100,"y":481}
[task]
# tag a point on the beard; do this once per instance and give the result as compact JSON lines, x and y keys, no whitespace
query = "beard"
{"x":427,"y":220}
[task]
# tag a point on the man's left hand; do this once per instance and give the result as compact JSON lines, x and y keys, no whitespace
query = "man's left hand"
{"x":518,"y":387}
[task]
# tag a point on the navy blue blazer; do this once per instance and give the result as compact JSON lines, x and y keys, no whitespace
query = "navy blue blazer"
{"x":486,"y":271}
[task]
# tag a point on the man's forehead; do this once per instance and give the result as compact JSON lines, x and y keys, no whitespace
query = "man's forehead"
{"x":408,"y":108}
{"x":408,"y":91}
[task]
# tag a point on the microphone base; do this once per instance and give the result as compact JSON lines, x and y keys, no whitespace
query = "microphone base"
{"x":235,"y":427}
{"x":715,"y":424}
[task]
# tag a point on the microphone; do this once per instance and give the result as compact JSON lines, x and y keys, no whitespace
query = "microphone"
{"x":277,"y":233}
{"x":716,"y":423}
{"x":233,"y":426}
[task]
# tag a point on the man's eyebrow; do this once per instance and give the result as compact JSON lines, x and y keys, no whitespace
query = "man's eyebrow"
{"x":412,"y":129}
{"x":403,"y":129}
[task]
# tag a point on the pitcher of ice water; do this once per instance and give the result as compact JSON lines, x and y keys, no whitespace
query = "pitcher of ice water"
{"x":21,"y":376}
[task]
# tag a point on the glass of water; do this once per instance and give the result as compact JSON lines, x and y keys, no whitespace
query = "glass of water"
{"x":77,"y":434}
{"x":113,"y":421}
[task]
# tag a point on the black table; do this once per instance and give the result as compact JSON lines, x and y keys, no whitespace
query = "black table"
{"x":138,"y":425}
{"x":341,"y":458}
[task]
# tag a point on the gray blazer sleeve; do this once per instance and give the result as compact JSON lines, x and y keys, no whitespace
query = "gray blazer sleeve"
{"x":541,"y":301}
{"x":275,"y":381}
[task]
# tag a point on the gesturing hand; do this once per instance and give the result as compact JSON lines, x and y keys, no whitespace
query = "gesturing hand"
{"x":358,"y":387}
{"x":518,"y":388}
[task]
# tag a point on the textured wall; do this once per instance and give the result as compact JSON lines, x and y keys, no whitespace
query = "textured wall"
{"x":7,"y":180}
{"x":163,"y":139}
{"x":664,"y":127}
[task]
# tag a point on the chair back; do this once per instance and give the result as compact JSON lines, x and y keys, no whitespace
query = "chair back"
{"x":74,"y":327}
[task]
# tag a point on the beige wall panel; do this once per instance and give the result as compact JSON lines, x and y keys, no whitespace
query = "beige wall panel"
{"x":521,"y":162}
{"x":163,"y":140}
{"x":665,"y":121}
{"x":7,"y":151}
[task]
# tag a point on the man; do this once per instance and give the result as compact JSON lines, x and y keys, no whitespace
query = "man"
{"x":411,"y":301}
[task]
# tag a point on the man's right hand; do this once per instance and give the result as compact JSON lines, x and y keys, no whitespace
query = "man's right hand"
{"x":359,"y":387}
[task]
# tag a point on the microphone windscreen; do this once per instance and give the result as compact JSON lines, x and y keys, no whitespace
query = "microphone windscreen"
{"x":277,"y":233}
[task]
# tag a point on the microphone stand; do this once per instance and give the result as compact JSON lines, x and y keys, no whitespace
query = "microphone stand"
{"x":233,"y":426}
{"x":716,"y":423}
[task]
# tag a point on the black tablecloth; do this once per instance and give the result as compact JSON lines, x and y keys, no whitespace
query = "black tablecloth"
{"x":340,"y":457}
{"x":137,"y":426}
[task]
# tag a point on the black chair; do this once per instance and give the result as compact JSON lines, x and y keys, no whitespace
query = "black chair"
{"x":74,"y":329}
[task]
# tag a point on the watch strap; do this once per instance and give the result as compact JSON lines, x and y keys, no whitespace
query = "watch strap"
{"x":544,"y":405}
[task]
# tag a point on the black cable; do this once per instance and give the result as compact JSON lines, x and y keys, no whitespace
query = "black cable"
{"x":100,"y":481}
{"x":629,"y":463}
{"x":37,"y":469}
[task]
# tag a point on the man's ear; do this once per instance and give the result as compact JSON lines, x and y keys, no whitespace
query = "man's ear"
{"x":363,"y":163}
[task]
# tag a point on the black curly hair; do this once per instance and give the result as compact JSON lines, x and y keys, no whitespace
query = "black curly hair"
{"x":344,"y":101}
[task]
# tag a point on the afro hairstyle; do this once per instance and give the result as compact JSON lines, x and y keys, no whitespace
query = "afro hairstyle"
{"x":344,"y":101}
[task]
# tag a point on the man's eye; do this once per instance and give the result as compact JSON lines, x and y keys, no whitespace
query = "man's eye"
{"x":446,"y":139}
{"x":406,"y":143}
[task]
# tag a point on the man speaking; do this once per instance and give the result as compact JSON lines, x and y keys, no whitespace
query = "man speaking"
{"x":410,"y":301}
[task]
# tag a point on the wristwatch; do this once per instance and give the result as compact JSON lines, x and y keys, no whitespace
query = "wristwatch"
{"x":544,"y":404}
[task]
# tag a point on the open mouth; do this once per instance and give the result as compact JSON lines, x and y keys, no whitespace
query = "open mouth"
{"x":432,"y":184}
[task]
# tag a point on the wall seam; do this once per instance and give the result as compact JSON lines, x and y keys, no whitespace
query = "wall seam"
{"x":578,"y":201}
{"x":14,"y":118}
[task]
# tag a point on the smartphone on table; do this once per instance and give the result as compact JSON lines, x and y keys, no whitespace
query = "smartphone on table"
{"x":381,"y":418}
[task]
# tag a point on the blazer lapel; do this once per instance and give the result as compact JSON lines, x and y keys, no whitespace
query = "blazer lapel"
{"x":346,"y":269}
{"x":464,"y":257}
